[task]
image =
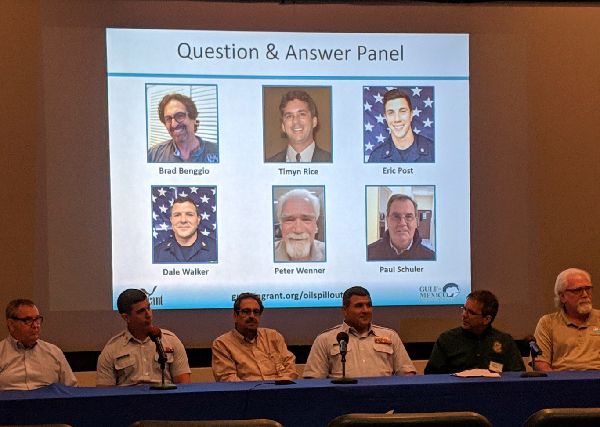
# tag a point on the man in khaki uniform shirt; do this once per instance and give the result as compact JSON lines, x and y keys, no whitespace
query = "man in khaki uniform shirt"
{"x":570,"y":338}
{"x":250,"y":353}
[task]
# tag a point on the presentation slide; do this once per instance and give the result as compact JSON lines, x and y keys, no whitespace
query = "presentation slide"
{"x":292,"y":165}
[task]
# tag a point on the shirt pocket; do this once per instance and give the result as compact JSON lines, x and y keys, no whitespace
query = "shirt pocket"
{"x":124,"y":365}
{"x":169,"y":357}
{"x":383,"y":350}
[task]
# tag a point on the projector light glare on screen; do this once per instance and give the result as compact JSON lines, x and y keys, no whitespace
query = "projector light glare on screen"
{"x":264,"y":162}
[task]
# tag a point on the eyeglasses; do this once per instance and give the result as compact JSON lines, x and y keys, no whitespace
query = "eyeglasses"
{"x":179,"y":117}
{"x":247,"y":312}
{"x":29,"y":320}
{"x":470,"y":312}
{"x":396,"y":217}
{"x":579,"y":291}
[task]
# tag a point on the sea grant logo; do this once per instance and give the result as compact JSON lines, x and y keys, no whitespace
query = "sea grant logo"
{"x":439,"y":293}
{"x":155,"y":301}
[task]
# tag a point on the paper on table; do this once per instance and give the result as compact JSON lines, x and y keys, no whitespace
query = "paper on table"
{"x":477,"y":373}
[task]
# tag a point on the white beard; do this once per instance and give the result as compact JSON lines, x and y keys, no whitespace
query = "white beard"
{"x":297,"y":248}
{"x":584,"y":307}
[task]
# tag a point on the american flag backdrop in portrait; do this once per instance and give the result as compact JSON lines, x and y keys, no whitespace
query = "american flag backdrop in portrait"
{"x":163,"y":196}
{"x":375,"y":128}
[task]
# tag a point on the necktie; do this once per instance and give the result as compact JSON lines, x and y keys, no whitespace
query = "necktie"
{"x":297,"y":157}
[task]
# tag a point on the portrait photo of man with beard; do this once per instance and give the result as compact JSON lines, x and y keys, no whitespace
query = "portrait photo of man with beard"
{"x":182,"y":128}
{"x":299,"y":224}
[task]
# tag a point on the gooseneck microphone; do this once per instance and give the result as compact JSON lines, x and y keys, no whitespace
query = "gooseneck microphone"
{"x":343,"y":338}
{"x":534,"y":351}
{"x":530,"y":340}
{"x":155,"y":335}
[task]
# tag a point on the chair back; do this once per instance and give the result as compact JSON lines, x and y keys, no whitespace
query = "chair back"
{"x":434,"y":419}
{"x":216,"y":423}
{"x":558,"y":417}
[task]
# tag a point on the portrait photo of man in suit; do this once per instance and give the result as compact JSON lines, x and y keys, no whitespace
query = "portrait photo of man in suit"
{"x":290,"y":137}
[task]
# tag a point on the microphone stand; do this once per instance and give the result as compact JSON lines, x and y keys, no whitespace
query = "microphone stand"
{"x":162,"y":359}
{"x":344,"y":380}
{"x":534,"y":374}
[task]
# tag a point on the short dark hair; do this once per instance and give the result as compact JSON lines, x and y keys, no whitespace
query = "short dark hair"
{"x":488,"y":301}
{"x":301,"y":96}
{"x":188,"y":102}
{"x":13,"y":306}
{"x":395,"y":94}
{"x":354,"y":290}
{"x":245,"y":295}
{"x":399,"y":197}
{"x":128,"y":298}
{"x":185,"y":199}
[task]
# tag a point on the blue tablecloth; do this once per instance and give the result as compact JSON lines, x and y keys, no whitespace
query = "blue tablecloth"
{"x":506,"y":401}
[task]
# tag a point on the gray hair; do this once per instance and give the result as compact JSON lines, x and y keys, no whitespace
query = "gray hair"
{"x":299,"y":193}
{"x":561,"y":283}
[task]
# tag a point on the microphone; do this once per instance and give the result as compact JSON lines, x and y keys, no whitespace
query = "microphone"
{"x":534,"y":351}
{"x":530,"y":340}
{"x":155,"y":335}
{"x":342,"y":339}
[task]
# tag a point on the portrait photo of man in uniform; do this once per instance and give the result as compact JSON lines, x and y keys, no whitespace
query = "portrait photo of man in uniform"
{"x":400,"y":223}
{"x":182,"y":123}
{"x":398,"y":124}
{"x":184,"y":224}
{"x":297,"y":124}
{"x":299,"y":224}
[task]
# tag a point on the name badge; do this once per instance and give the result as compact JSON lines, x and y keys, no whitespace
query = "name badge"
{"x":495,"y":366}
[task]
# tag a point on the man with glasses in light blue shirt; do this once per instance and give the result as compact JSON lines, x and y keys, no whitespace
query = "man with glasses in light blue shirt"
{"x":178,"y":113}
{"x":27,"y":362}
{"x":570,"y":337}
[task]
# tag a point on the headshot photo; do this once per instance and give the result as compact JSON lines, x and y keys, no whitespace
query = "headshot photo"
{"x":398,"y":124}
{"x":184,"y":224}
{"x":297,"y":124}
{"x":182,"y":123}
{"x":400,"y":222}
{"x":299,"y":224}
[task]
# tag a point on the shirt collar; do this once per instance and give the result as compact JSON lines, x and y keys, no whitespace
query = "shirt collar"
{"x":350,"y":330}
{"x":403,"y":250}
{"x":243,"y":338}
{"x":305,"y":156}
{"x":129,"y":337}
{"x":19,"y":345}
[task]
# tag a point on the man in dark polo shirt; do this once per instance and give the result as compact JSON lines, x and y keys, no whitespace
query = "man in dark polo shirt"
{"x":401,"y":240}
{"x":178,"y":113}
{"x":475,"y":344}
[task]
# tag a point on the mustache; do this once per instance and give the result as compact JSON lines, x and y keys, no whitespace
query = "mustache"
{"x":297,"y":236}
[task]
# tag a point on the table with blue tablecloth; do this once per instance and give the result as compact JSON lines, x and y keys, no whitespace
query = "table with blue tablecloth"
{"x":506,"y":401}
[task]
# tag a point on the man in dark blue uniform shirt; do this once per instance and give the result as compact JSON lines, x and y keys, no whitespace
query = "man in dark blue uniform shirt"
{"x":185,"y":244}
{"x":403,"y":145}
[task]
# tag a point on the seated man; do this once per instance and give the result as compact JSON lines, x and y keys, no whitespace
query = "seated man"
{"x":130,"y":357}
{"x":27,"y":362}
{"x":250,"y":353}
{"x":570,"y":338}
{"x":373,"y":351}
{"x":475,"y":344}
